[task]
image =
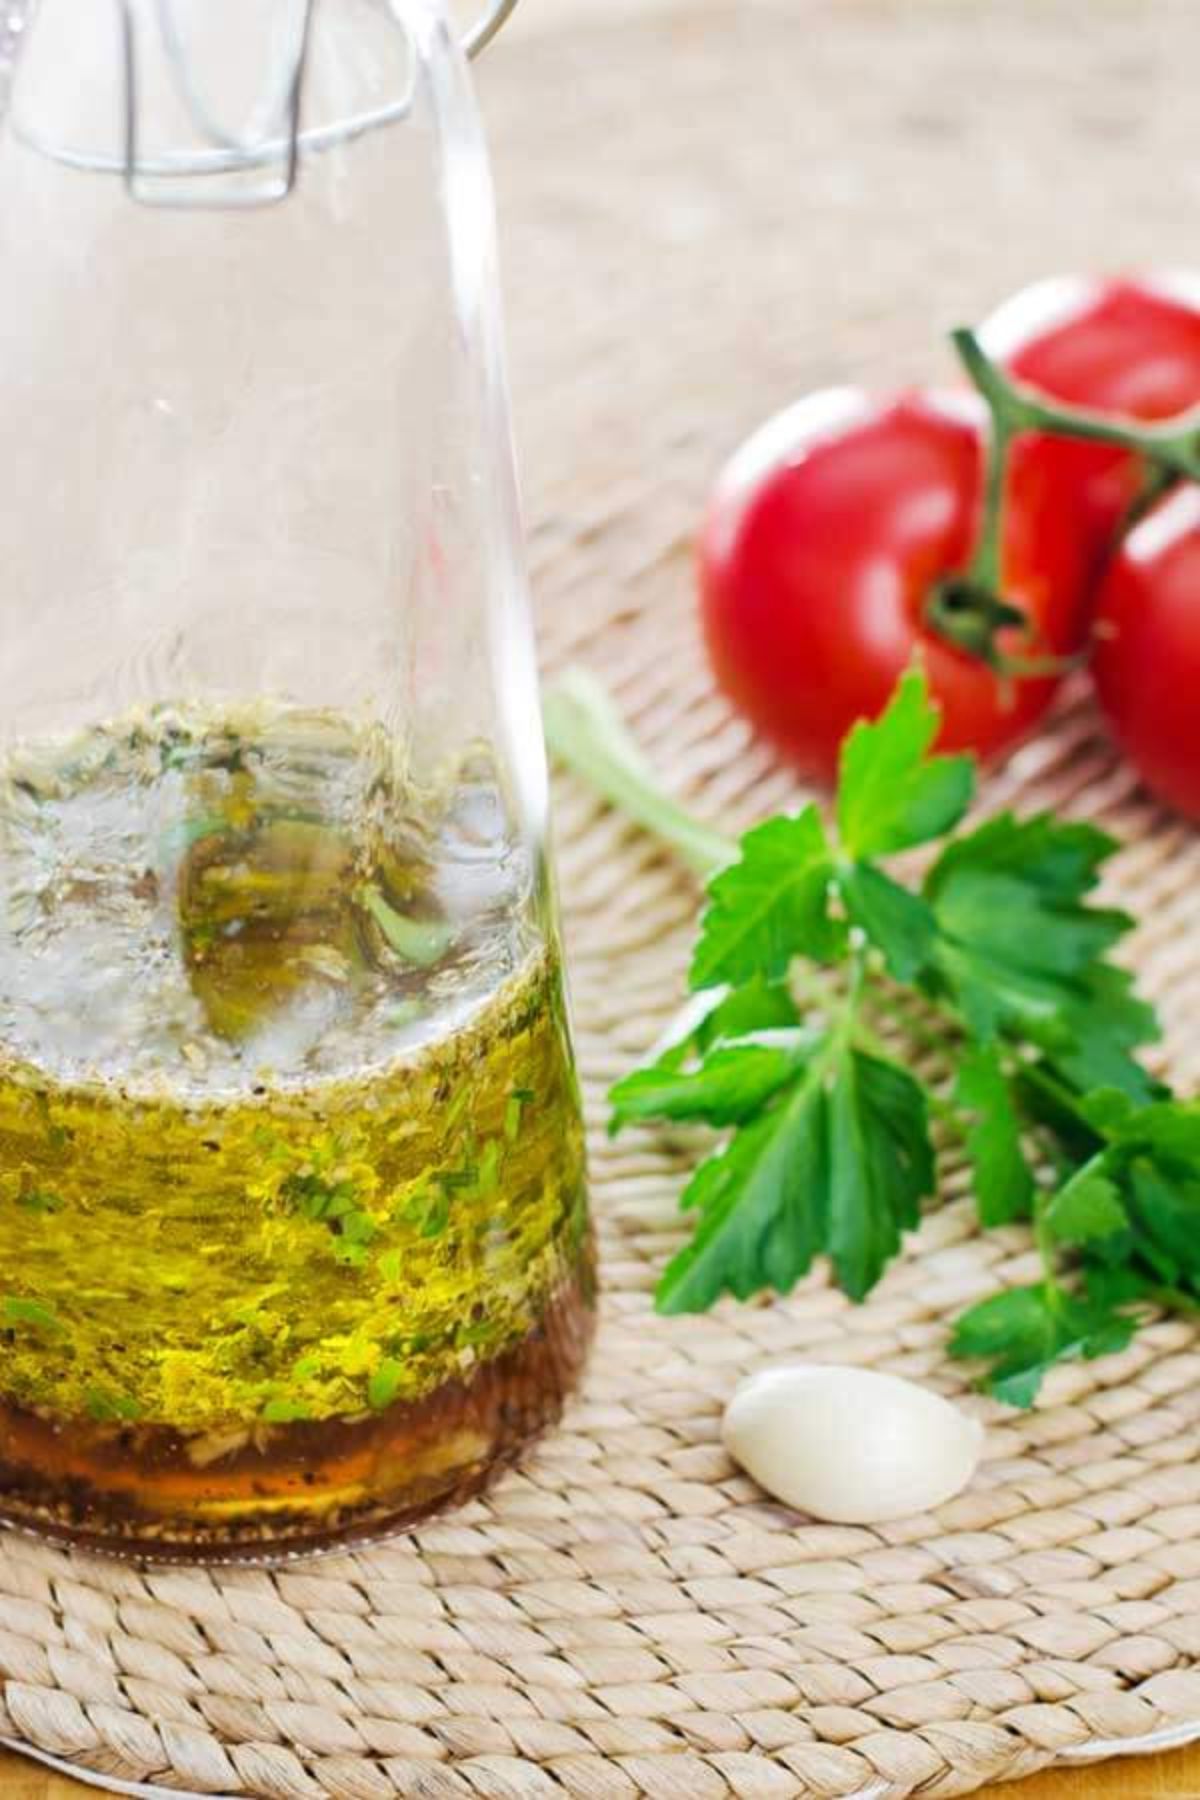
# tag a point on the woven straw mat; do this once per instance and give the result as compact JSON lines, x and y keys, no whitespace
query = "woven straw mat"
{"x":705,"y":213}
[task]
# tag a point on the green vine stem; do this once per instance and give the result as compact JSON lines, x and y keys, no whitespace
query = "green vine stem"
{"x":1043,"y":1241}
{"x":1173,"y":445}
{"x":585,"y":732}
{"x":969,"y":609}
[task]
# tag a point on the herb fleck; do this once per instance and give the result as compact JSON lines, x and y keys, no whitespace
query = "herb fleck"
{"x":384,"y":1384}
{"x":15,"y":1311}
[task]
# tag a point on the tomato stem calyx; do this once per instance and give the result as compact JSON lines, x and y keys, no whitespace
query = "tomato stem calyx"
{"x":968,"y":609}
{"x":970,"y":616}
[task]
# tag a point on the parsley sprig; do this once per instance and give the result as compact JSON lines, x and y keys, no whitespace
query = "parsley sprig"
{"x":840,"y":1009}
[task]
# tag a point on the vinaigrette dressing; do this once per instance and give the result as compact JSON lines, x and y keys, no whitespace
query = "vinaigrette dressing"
{"x":292,"y":1194}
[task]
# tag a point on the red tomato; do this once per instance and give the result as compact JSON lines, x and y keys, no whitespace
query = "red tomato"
{"x":1146,"y":661}
{"x":1129,"y":347}
{"x":825,"y":538}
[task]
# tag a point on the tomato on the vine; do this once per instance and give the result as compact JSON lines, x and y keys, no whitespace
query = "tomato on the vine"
{"x":1128,"y":347}
{"x":824,"y":561}
{"x":1146,"y":660}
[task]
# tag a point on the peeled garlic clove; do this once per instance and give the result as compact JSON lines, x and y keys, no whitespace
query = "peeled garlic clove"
{"x":851,"y":1445}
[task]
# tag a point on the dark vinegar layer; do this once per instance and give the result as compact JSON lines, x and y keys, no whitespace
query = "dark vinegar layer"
{"x":300,"y":1487}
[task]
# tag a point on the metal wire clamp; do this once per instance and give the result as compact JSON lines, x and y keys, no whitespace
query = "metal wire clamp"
{"x":274,"y":140}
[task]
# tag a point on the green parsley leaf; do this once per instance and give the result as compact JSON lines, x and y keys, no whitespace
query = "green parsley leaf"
{"x":1087,"y":1207}
{"x":897,"y":921}
{"x":880,"y":1166}
{"x":839,"y":1162}
{"x":1169,"y":1128}
{"x":1045,"y":1098}
{"x":725,"y":1012}
{"x":1116,"y":1286}
{"x":770,"y":906}
{"x":1017,"y":941}
{"x":1099,"y":1027}
{"x":1162,"y":1203}
{"x":1002,"y":1183}
{"x":891,"y":793}
{"x":1153,"y":1155}
{"x":1059,"y":858}
{"x":734,"y":1081}
{"x":760,"y":1206}
{"x":1023,"y":1331}
{"x":1106,"y":1111}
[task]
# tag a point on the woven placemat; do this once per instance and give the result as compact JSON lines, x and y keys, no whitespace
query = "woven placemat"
{"x":707,"y":212}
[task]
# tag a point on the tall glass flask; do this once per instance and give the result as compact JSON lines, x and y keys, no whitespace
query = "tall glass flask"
{"x":293,"y":1228}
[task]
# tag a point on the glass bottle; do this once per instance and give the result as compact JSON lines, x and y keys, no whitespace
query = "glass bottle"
{"x":293,"y":1228}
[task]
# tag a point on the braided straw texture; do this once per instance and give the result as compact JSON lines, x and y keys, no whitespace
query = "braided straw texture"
{"x":706,"y":212}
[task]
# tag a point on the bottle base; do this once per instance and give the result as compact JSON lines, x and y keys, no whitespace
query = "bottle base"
{"x":294,"y":1490}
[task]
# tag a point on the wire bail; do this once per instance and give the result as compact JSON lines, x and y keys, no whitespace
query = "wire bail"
{"x":275,"y":139}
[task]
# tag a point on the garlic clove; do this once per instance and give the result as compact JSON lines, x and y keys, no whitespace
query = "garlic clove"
{"x":854,"y":1446}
